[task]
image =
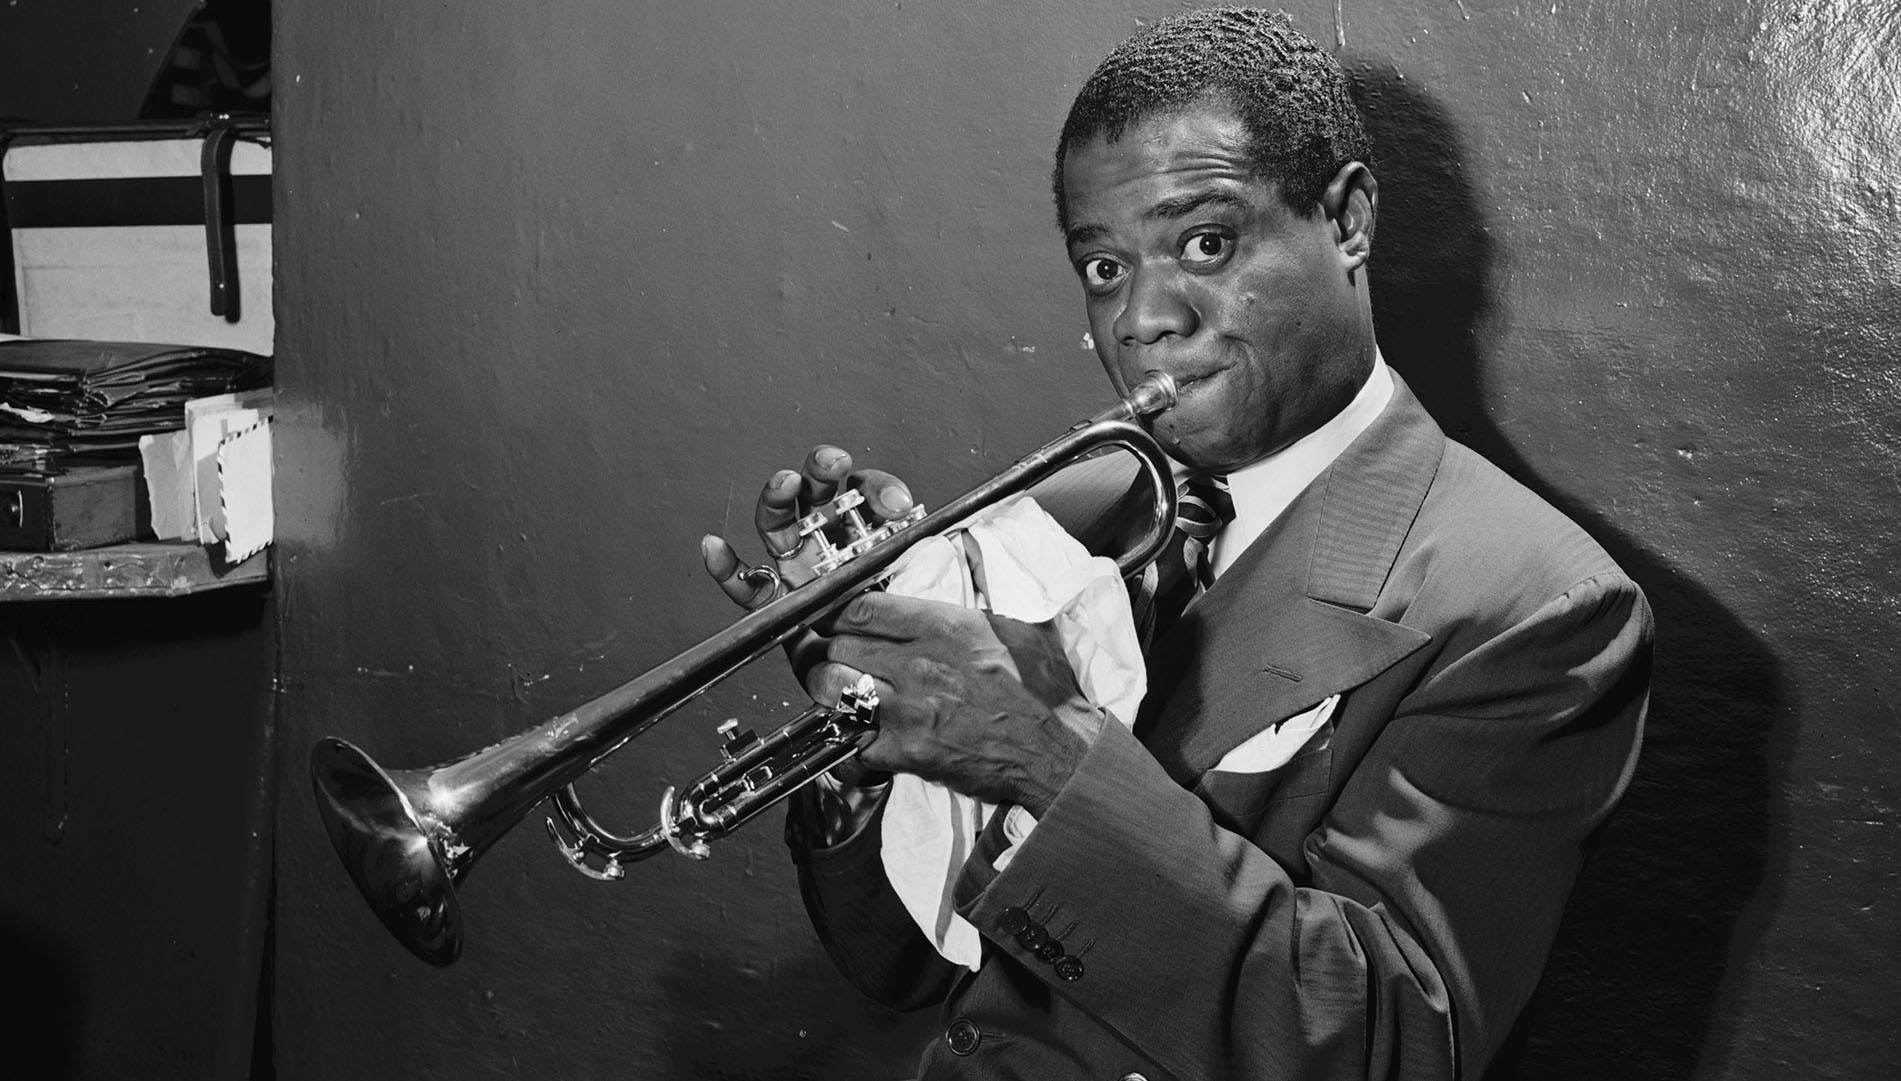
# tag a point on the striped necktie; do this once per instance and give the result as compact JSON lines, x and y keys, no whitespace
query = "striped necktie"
{"x":1186,"y":566}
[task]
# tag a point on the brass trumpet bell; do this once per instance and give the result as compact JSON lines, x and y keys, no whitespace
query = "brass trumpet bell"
{"x":375,"y":826}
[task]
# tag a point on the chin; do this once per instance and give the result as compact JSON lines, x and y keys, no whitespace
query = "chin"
{"x":1191,"y":452}
{"x":1193,"y":444}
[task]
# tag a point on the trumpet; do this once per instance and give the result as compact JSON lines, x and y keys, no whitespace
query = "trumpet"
{"x":408,"y":837}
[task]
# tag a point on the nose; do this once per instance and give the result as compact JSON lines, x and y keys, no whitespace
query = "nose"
{"x":1156,"y":309}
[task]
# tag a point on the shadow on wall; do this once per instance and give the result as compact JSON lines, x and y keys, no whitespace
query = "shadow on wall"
{"x":1635,"y":977}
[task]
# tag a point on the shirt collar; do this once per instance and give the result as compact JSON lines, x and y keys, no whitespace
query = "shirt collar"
{"x":1264,"y":489}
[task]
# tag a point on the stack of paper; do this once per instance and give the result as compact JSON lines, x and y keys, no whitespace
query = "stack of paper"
{"x":91,"y":401}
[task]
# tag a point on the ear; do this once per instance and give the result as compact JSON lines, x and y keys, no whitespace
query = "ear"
{"x":1351,"y":202}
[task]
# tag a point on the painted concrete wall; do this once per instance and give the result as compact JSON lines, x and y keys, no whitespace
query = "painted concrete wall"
{"x":560,"y":284}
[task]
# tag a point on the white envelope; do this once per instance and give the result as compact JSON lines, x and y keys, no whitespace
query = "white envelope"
{"x":209,"y":420}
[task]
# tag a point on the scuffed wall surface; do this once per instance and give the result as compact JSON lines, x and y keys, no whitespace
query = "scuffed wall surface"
{"x":559,"y":287}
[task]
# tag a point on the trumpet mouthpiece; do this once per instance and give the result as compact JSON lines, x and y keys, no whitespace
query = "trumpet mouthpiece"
{"x":1153,"y":394}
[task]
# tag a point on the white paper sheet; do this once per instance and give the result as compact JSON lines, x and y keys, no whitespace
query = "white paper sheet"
{"x":169,"y":484}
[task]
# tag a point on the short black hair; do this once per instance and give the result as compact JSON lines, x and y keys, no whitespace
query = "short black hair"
{"x":1289,"y":93}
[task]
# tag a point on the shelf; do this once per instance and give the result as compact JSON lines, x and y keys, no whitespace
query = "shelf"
{"x":123,"y":570}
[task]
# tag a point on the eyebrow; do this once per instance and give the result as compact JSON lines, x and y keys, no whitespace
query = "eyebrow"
{"x":1170,"y":209}
{"x":1166,"y":210}
{"x":1083,"y":234}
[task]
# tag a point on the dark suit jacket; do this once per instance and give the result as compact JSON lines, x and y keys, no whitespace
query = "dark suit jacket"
{"x":1379,"y":907}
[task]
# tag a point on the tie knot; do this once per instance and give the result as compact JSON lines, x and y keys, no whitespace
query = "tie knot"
{"x":1204,"y":506}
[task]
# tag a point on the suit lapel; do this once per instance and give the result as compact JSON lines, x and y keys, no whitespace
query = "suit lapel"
{"x":1285,"y":627}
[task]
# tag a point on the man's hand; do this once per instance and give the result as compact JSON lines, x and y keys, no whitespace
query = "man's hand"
{"x":786,"y":498}
{"x":989,"y":706}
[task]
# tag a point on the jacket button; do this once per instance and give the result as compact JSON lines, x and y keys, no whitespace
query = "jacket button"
{"x":962,"y":1036}
{"x":1051,"y":951}
{"x":1033,"y":937}
{"x":1069,"y":969}
{"x":1014,"y":920}
{"x":1133,"y":1076}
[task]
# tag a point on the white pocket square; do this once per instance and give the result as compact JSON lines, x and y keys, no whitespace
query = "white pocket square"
{"x":1272,"y":748}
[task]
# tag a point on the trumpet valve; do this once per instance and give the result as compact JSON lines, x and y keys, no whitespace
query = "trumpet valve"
{"x":845,"y":517}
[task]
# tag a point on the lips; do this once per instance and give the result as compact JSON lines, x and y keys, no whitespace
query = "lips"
{"x":1184,"y":383}
{"x":1186,"y":376}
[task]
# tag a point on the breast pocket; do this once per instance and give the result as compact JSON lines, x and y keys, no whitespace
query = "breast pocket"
{"x":1240,"y":800}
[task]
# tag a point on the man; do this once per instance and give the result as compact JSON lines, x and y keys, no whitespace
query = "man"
{"x":1337,"y":841}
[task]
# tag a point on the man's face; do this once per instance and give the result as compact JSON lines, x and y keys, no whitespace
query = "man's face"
{"x":1193,"y":266}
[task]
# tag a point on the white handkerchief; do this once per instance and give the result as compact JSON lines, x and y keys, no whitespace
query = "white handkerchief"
{"x":1272,"y":748}
{"x":1035,"y":572}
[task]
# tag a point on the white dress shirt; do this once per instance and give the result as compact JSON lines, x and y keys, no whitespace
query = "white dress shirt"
{"x":1263,"y":490}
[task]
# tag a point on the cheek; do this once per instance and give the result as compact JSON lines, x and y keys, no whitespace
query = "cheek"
{"x":1106,"y":357}
{"x":1267,"y":316}
{"x":1102,"y":339}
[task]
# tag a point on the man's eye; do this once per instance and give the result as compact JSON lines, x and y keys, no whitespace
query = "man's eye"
{"x":1100,"y":273}
{"x":1204,"y":250}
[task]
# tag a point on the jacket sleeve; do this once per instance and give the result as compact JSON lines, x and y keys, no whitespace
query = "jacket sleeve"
{"x":1433,"y":888}
{"x":864,"y":927}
